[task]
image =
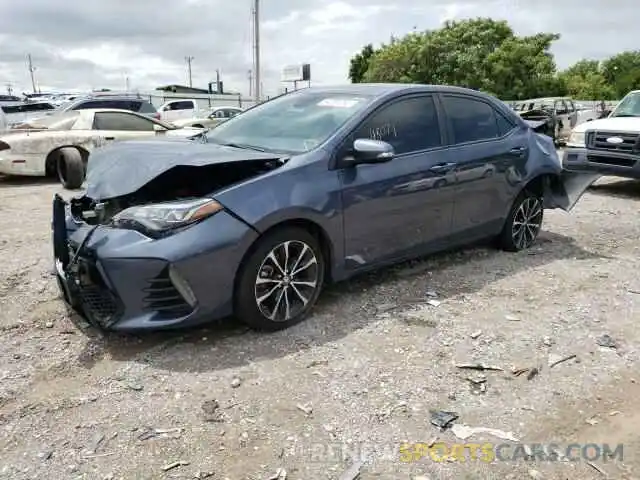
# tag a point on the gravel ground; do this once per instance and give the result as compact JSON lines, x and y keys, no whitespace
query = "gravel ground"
{"x":361,"y":375}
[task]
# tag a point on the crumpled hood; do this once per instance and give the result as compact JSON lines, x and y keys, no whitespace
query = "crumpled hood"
{"x":123,"y":168}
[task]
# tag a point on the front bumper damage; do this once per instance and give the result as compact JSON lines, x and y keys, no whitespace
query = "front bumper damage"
{"x":119,"y":280}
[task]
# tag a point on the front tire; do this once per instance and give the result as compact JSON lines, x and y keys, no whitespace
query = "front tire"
{"x":524,"y":222}
{"x":280,"y":281}
{"x":70,"y":168}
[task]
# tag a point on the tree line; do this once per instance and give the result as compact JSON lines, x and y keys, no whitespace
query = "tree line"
{"x":486,"y":54}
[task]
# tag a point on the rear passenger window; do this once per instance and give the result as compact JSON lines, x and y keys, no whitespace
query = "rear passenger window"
{"x":471,"y":120}
{"x":410,"y":125}
{"x":504,"y":124}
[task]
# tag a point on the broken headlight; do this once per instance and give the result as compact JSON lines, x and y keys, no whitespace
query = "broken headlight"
{"x":162,"y":217}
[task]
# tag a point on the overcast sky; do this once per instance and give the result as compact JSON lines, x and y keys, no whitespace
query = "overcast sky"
{"x":98,"y":43}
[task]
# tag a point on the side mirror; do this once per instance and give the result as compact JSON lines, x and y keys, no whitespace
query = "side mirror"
{"x":370,"y":151}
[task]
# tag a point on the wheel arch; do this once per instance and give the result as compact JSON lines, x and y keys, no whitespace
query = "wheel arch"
{"x":310,"y":226}
{"x":53,"y":155}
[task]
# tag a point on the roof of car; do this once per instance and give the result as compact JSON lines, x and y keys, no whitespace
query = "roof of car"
{"x":380,"y":89}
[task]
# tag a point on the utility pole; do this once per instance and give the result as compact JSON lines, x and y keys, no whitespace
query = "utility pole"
{"x":189,"y":59}
{"x":32,"y":69}
{"x":9,"y":88}
{"x":256,"y":49}
{"x":217,"y":81}
{"x":250,"y":77}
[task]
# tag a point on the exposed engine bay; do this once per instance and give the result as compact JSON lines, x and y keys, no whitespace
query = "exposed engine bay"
{"x":178,"y":183}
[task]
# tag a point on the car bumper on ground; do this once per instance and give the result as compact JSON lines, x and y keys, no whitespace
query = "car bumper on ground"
{"x":121,"y":280}
{"x":603,"y":162}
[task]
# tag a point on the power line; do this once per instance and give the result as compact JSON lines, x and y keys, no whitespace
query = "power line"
{"x":189,"y":59}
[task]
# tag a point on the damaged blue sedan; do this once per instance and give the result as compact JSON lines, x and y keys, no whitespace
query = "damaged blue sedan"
{"x":311,"y":187}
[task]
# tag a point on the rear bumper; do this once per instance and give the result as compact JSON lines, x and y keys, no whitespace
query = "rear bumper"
{"x":602,"y":162}
{"x":120,"y":280}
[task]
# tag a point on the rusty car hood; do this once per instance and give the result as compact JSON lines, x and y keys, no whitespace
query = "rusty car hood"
{"x":123,"y":168}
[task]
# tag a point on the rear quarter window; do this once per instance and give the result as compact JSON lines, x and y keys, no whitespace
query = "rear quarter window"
{"x":146,"y":107}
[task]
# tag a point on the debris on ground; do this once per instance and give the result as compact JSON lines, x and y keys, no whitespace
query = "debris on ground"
{"x":171,"y":466}
{"x":548,"y":342}
{"x":463,"y":432}
{"x":606,"y":341}
{"x":431,"y":293}
{"x":476,"y":334}
{"x":592,"y":421}
{"x":512,"y":318}
{"x":387,"y":413}
{"x":478,"y":384}
{"x":479,"y":366}
{"x":535,"y":474}
{"x":236,"y":382}
{"x":442,"y":418}
{"x":353,"y":472}
{"x":281,"y":474}
{"x":531,"y":372}
{"x":306,"y":408}
{"x":318,"y":363}
{"x":557,"y":359}
{"x":434,"y":303}
{"x":211,"y":411}
{"x":160,"y":433}
{"x":596,"y":468}
{"x":203,"y":475}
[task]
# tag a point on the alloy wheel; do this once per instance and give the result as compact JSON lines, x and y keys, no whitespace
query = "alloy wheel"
{"x":287,"y":281}
{"x":527,"y":222}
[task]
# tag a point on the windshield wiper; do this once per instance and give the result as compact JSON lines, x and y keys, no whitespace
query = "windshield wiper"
{"x":243,"y":146}
{"x":625,"y":115}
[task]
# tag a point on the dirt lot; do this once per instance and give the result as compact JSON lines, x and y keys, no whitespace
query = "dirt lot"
{"x":358,"y":373}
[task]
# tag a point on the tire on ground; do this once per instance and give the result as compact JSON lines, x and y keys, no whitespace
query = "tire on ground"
{"x":505,"y":239}
{"x":70,"y":168}
{"x":245,"y":304}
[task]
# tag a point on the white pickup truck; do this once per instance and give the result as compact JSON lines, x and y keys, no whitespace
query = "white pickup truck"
{"x":611,"y":145}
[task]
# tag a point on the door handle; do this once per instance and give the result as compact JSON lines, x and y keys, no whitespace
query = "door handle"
{"x":109,"y":138}
{"x":442,"y":167}
{"x":518,"y":151}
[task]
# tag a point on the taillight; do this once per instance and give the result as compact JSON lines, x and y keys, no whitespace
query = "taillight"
{"x":4,"y":146}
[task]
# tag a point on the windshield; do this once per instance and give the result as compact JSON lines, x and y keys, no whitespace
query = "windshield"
{"x":61,"y":121}
{"x":628,"y":107}
{"x":292,"y":123}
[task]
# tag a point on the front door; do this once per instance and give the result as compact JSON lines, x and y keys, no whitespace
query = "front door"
{"x":399,"y":208}
{"x":488,"y":150}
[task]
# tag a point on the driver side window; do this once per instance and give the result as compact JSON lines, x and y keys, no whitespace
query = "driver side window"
{"x":409,"y":125}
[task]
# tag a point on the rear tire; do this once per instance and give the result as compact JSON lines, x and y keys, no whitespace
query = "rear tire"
{"x":280,"y":281}
{"x":70,"y":168}
{"x":524,"y":222}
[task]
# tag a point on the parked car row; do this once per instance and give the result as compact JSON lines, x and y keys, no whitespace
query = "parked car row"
{"x":308,"y":188}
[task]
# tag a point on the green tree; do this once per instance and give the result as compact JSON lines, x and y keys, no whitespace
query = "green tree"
{"x":481,"y":53}
{"x":622,"y":72}
{"x":585,"y":80}
{"x":360,"y":63}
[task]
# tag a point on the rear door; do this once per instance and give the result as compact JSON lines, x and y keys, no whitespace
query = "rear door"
{"x":116,"y":126}
{"x":485,"y":147}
